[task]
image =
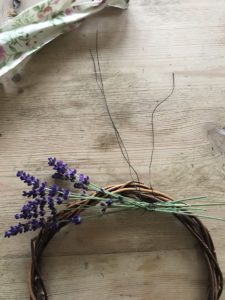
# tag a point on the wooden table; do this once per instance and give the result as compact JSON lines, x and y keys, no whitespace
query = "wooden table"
{"x":57,"y":110}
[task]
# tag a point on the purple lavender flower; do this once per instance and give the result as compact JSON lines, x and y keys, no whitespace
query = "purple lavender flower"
{"x":76,"y":219}
{"x":42,"y":189}
{"x":55,"y":226}
{"x":20,"y":228}
{"x":66,"y":194}
{"x":65,"y":173}
{"x":28,"y":179}
{"x":7,"y":234}
{"x":62,"y":169}
{"x":52,"y":161}
{"x":42,"y":212}
{"x":42,"y":222}
{"x":43,"y":203}
{"x":53,"y":190}
{"x":14,"y":230}
{"x":41,"y":209}
{"x":37,"y":188}
{"x":59,"y":200}
{"x":34,"y":225}
{"x":109,"y":202}
{"x":39,"y":193}
{"x":82,"y":182}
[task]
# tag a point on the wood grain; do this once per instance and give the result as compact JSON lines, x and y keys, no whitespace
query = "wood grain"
{"x":56,"y":109}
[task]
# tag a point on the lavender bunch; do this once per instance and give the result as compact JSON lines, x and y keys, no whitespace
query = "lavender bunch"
{"x":44,"y":202}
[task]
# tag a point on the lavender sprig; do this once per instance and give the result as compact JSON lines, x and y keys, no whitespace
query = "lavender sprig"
{"x":41,"y":207}
{"x":65,"y":173}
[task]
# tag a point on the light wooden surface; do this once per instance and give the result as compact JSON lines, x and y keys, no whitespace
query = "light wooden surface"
{"x":57,"y":110}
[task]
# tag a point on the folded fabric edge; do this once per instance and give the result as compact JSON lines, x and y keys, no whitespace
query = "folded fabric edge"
{"x":122,"y":4}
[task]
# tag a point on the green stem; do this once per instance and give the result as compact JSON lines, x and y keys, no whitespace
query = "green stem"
{"x":189,"y":199}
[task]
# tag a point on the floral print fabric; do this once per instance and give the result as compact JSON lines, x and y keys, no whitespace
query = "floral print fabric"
{"x":38,"y":25}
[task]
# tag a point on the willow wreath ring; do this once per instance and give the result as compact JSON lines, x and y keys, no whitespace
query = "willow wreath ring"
{"x":52,"y":208}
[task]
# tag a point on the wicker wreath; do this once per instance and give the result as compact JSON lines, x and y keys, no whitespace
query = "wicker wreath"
{"x":37,"y":288}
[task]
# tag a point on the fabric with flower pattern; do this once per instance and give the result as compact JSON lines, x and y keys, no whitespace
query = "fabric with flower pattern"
{"x":40,"y":24}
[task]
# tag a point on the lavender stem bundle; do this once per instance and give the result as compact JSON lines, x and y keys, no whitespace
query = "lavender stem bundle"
{"x":45,"y":203}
